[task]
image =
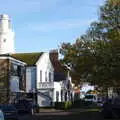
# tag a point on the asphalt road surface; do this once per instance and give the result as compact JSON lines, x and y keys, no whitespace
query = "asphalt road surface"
{"x":87,"y":114}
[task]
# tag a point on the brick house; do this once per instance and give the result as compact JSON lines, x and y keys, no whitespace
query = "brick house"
{"x":12,"y":78}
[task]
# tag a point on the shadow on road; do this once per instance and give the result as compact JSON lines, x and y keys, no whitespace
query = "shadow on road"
{"x":86,"y":114}
{"x":71,"y":115}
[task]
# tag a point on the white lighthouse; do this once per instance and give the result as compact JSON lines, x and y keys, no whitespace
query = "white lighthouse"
{"x":6,"y":35}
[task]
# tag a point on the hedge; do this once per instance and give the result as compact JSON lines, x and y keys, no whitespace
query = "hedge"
{"x":81,"y":103}
{"x":63,"y":105}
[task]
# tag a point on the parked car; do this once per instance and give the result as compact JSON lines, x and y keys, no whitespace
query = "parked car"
{"x":9,"y":111}
{"x":1,"y":115}
{"x":111,"y":108}
{"x":90,"y":98}
{"x":100,"y":102}
{"x":25,"y":106}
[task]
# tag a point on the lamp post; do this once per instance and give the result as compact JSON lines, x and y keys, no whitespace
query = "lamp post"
{"x":68,"y":83}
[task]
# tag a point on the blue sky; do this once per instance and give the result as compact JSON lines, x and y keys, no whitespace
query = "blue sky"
{"x":42,"y":25}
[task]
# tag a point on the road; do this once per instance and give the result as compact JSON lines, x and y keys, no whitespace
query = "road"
{"x":87,"y":114}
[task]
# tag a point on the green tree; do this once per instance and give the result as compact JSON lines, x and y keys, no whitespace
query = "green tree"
{"x":95,"y":56}
{"x":107,"y":31}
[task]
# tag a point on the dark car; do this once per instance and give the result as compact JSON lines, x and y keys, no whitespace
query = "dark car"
{"x":111,"y":108}
{"x":10,"y":112}
{"x":25,"y":106}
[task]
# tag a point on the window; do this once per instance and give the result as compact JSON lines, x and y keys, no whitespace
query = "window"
{"x":14,"y":69}
{"x":40,"y":75}
{"x":45,"y":76}
{"x":61,"y":95}
{"x":57,"y":96}
{"x":50,"y":77}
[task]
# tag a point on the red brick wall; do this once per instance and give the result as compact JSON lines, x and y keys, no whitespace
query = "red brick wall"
{"x":4,"y":82}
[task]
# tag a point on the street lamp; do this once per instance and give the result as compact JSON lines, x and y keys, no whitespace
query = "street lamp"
{"x":68,"y":82}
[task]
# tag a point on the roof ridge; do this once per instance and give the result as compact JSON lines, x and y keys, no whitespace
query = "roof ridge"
{"x":29,"y":58}
{"x":27,"y":53}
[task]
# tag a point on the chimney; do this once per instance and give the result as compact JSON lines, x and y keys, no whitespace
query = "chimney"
{"x":53,"y":55}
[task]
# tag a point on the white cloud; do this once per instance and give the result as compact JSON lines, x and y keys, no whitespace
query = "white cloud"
{"x":58,"y":25}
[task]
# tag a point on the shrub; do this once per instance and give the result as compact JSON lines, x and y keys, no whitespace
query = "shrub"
{"x":81,"y":103}
{"x":63,"y":105}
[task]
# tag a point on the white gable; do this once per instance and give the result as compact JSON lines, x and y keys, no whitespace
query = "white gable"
{"x":44,"y":64}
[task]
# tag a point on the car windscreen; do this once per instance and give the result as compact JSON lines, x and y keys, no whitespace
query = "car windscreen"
{"x":89,"y":97}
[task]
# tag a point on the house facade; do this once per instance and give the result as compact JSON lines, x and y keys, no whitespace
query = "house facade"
{"x":45,"y":79}
{"x":39,"y":76}
{"x":61,"y":77}
{"x":53,"y":82}
{"x":12,"y":78}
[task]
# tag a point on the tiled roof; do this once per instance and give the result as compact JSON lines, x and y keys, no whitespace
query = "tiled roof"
{"x":59,"y":69}
{"x":58,"y":66}
{"x":29,"y":58}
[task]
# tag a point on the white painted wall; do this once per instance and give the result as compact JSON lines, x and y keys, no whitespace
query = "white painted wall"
{"x":51,"y":93}
{"x":33,"y":76}
{"x":6,"y":35}
{"x":42,"y":100}
{"x":57,"y":88}
{"x":30,"y":79}
{"x":44,"y":64}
